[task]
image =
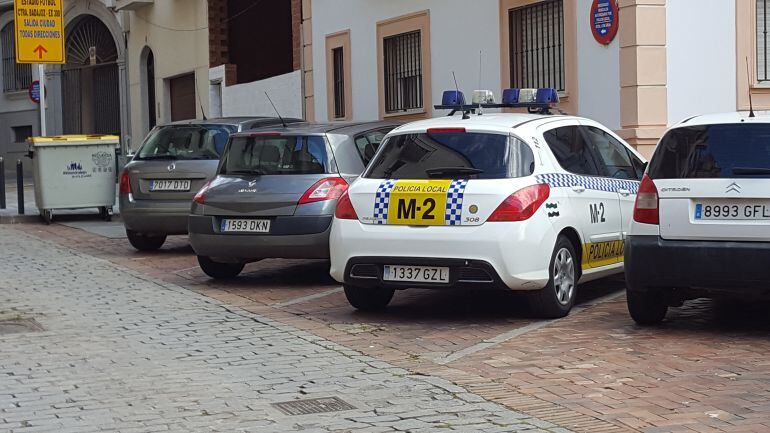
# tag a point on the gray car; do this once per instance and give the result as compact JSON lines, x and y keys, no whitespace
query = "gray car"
{"x":174,"y":162}
{"x":276,"y":191}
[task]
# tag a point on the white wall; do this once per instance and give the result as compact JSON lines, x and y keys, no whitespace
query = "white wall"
{"x":458,"y":28}
{"x":249,"y":99}
{"x":598,"y":73}
{"x":701,"y":57}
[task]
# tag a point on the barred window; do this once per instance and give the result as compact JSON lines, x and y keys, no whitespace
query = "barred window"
{"x":763,"y":74}
{"x":339,"y":82}
{"x":537,"y":45}
{"x":16,"y":77}
{"x":403,"y":72}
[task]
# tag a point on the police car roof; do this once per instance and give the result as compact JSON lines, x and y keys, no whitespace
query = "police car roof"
{"x":501,"y":122}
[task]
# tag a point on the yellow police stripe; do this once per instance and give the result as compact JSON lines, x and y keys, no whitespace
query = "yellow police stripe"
{"x":602,"y":254}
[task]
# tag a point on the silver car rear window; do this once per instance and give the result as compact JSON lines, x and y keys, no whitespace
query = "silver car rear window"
{"x":184,"y":142}
{"x":276,"y":154}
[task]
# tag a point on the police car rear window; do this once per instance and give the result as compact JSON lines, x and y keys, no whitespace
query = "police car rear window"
{"x":713,"y":151}
{"x":450,"y":155}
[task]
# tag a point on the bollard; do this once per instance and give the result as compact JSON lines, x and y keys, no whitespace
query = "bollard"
{"x":20,"y":185}
{"x":2,"y":183}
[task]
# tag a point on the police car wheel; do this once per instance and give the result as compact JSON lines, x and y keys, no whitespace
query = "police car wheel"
{"x":219,"y":271}
{"x":557,"y":298}
{"x":647,"y":308}
{"x":368,"y":299}
{"x":144,"y":242}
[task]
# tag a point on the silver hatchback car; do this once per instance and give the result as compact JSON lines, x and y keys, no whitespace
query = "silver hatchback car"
{"x":173,"y":163}
{"x":275,"y":193}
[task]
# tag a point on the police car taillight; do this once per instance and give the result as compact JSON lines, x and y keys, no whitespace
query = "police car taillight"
{"x":325,"y":189}
{"x":345,"y":210}
{"x":200,"y":197}
{"x":125,"y":183}
{"x":646,"y":206}
{"x":522,"y":204}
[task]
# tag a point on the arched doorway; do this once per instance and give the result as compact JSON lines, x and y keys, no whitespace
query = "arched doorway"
{"x":90,"y":89}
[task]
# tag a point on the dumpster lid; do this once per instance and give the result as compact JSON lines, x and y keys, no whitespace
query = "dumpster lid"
{"x":72,"y":140}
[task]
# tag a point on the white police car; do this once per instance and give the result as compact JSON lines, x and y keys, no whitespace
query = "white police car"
{"x":702,"y":219}
{"x":520,"y":201}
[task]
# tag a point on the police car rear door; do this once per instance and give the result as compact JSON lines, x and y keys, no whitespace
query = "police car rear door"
{"x":593,"y":199}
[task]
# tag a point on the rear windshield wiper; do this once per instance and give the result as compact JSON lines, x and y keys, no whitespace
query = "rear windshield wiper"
{"x":247,"y":172}
{"x":438,"y":171}
{"x":747,"y":171}
{"x":159,"y":157}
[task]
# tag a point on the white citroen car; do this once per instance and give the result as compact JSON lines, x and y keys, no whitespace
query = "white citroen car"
{"x":519,"y":201}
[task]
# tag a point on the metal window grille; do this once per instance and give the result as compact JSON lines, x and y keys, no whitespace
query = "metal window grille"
{"x":16,"y":77}
{"x":339,"y":82}
{"x":537,"y":45}
{"x":403,"y":72}
{"x":762,"y":47}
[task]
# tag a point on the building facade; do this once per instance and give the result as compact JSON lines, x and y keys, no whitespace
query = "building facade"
{"x":669,"y":59}
{"x":132,"y":64}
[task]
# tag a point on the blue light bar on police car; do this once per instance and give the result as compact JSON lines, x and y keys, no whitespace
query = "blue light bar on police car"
{"x":510,"y":96}
{"x":453,"y":97}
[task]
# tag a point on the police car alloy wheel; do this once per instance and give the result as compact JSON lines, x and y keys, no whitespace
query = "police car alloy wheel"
{"x":557,"y":298}
{"x":368,"y":299}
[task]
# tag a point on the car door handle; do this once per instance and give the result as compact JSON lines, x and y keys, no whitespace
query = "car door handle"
{"x":624,"y":192}
{"x":578,"y":188}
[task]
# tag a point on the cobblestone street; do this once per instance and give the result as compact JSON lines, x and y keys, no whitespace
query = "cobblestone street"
{"x":122,"y":351}
{"x":127,"y":327}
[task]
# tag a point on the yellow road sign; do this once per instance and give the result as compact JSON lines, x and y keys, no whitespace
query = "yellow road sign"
{"x":39,"y":31}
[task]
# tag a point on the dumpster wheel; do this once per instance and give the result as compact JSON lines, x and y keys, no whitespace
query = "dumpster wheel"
{"x":106,"y":213}
{"x":47,"y":215}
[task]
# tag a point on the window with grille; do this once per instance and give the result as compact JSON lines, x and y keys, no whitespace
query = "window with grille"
{"x":537,"y":45}
{"x":339,"y":82}
{"x":16,"y":77}
{"x":763,"y":72}
{"x":403,"y":72}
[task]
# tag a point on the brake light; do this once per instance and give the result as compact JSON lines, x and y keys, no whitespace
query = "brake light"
{"x":265,"y":134}
{"x":646,"y":206}
{"x":446,"y":131}
{"x":345,"y":210}
{"x":125,"y":183}
{"x":522,"y":204}
{"x":325,"y":189}
{"x":200,"y":197}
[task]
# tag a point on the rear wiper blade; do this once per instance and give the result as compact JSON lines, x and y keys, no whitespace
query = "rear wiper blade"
{"x":452,"y":170}
{"x":750,"y":170}
{"x":151,"y":157}
{"x":255,"y":171}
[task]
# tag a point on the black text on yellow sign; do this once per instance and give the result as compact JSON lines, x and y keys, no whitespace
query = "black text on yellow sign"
{"x":39,"y":31}
{"x":418,"y":202}
{"x":602,"y":254}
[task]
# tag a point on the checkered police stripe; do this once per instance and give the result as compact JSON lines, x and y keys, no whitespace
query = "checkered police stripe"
{"x":382,"y":200}
{"x":454,"y":202}
{"x":557,"y":180}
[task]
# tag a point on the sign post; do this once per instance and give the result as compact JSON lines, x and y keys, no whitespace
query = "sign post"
{"x":39,"y":39}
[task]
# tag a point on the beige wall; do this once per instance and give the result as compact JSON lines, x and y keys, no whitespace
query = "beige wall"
{"x":177,"y":33}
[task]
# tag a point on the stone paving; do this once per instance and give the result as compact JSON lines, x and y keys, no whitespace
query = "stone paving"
{"x":124,"y":351}
{"x":705,"y":369}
